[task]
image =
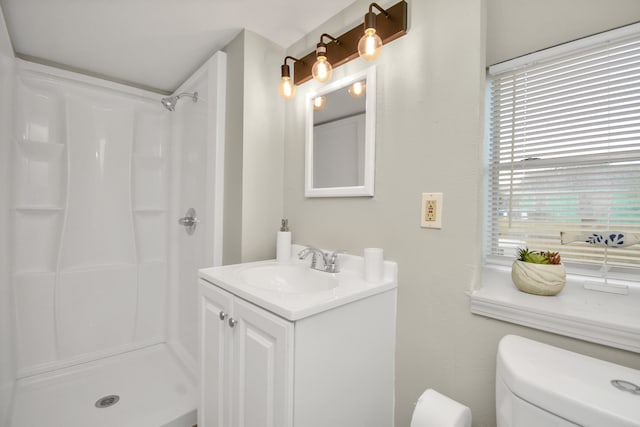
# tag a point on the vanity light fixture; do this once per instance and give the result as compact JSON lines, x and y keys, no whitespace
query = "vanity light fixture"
{"x":370,"y":44}
{"x":287,"y":89}
{"x":357,"y":89}
{"x":342,"y":49}
{"x":322,"y":68}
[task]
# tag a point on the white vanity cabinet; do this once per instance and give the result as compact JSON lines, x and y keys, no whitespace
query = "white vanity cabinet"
{"x":333,"y":368}
{"x":245,"y":363}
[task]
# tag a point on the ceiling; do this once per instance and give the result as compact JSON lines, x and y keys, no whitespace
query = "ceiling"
{"x":155,"y":44}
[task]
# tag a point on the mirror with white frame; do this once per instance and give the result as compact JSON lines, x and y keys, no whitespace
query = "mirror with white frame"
{"x":340,"y":137}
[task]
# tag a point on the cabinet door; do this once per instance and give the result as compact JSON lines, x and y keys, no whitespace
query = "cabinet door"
{"x":214,"y":409}
{"x":263,"y":368}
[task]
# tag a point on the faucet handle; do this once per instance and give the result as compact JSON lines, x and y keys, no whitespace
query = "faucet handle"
{"x":333,"y":266}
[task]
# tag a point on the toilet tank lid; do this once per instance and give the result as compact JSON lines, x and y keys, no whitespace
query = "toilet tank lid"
{"x":570,"y":385}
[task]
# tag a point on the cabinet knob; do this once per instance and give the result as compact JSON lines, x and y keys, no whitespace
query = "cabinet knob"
{"x":232,"y":322}
{"x":222,"y":315}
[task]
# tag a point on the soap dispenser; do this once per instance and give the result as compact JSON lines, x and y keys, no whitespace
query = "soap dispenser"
{"x":283,"y":243}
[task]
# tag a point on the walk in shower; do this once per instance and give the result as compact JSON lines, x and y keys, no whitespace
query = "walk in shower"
{"x":103,"y":276}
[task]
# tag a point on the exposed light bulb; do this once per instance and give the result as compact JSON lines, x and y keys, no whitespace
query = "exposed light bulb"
{"x":286,"y":89}
{"x":319,"y":102}
{"x":357,"y":89}
{"x":322,"y":68}
{"x":370,"y":45}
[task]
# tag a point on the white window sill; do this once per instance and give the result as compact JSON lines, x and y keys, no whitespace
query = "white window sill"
{"x":603,"y":318}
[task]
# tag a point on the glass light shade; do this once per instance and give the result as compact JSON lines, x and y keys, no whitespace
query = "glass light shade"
{"x":357,"y":89}
{"x":319,"y":102}
{"x":322,"y":69}
{"x":370,"y":45}
{"x":286,"y":89}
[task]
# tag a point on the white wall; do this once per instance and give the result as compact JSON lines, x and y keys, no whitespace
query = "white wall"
{"x":262,"y":149}
{"x":429,"y":139}
{"x":232,"y":247}
{"x":7,"y":336}
{"x":518,"y":27}
{"x":254,"y":160}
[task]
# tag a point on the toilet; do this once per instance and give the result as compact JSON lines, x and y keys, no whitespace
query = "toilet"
{"x":538,"y":385}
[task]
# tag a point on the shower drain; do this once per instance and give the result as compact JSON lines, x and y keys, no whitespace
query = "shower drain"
{"x":105,"y":402}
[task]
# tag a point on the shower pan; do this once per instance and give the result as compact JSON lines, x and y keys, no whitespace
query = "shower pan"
{"x":104,"y":277}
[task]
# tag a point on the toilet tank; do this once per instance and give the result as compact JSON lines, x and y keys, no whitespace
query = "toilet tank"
{"x":540,"y":385}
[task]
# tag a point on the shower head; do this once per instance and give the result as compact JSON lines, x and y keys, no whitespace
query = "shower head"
{"x":170,"y":102}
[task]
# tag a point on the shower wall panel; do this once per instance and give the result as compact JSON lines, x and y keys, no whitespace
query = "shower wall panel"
{"x":91,"y":202}
{"x":98,"y":209}
{"x":198,"y":129}
{"x":191,"y":130}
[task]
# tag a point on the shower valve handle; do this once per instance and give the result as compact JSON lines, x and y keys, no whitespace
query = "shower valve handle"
{"x":189,"y":221}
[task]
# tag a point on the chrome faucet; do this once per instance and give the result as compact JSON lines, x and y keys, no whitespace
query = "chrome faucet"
{"x":314,"y":259}
{"x":329,"y":262}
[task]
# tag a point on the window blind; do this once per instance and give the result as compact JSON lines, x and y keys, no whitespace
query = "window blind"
{"x":564,"y":151}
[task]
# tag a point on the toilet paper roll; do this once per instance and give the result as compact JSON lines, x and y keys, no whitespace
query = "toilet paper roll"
{"x":437,"y":410}
{"x":373,"y":265}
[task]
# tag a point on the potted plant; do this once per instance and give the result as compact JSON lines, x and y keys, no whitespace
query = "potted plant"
{"x":538,"y":272}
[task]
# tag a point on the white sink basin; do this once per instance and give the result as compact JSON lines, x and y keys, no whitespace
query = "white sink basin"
{"x":287,"y":279}
{"x":293,"y":290}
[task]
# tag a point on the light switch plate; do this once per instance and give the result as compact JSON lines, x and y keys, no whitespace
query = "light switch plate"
{"x":431,"y":212}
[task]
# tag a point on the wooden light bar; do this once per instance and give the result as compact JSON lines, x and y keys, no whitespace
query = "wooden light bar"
{"x":388,"y":28}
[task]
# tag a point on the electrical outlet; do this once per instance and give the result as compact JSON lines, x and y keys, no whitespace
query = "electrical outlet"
{"x":431,"y":213}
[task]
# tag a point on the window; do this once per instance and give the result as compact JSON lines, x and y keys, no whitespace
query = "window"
{"x":564,"y":149}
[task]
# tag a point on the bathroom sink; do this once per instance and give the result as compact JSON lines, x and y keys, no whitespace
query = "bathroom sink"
{"x":293,"y":290}
{"x":287,"y":279}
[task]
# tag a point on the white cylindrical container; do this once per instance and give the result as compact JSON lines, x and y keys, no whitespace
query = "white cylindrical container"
{"x":373,"y":265}
{"x":283,"y":246}
{"x":283,"y":242}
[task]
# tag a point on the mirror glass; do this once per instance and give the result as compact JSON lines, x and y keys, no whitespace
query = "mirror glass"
{"x":340,"y":138}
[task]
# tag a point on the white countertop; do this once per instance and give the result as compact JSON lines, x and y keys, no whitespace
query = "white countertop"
{"x":294,"y":306}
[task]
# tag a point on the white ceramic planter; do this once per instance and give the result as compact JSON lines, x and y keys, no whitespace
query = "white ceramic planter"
{"x":538,"y":279}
